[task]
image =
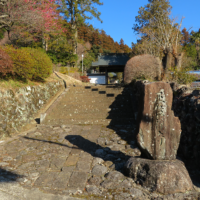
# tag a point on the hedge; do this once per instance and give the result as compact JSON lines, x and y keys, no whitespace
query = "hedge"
{"x":30,"y":63}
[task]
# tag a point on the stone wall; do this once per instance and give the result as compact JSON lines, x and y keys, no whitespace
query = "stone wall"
{"x":18,"y":107}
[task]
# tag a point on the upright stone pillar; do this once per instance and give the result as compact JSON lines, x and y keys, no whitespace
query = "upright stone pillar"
{"x":158,"y":137}
{"x":159,"y":130}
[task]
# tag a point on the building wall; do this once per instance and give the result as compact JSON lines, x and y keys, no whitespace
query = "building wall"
{"x":97,"y":79}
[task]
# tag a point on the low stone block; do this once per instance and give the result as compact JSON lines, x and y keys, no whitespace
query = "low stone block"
{"x":166,"y":177}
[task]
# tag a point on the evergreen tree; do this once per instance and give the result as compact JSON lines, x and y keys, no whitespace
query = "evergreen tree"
{"x":76,"y":12}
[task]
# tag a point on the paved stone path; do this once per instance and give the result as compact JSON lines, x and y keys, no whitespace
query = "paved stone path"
{"x":62,"y":160}
{"x":79,"y":151}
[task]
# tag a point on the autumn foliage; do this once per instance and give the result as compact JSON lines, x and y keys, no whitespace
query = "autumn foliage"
{"x":6,"y":64}
{"x":142,"y":67}
{"x":28,"y":63}
{"x":102,"y":40}
{"x":30,"y":20}
{"x":85,"y":79}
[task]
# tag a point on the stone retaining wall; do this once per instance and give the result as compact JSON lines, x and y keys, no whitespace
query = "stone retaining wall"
{"x":17,"y":108}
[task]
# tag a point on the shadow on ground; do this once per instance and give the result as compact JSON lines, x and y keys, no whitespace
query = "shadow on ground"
{"x":122,"y":114}
{"x":7,"y":176}
{"x":117,"y":157}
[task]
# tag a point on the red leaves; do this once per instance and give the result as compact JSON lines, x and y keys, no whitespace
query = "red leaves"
{"x":31,"y":15}
{"x":6,"y":64}
{"x":85,"y":79}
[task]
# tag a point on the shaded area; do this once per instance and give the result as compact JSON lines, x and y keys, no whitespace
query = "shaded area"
{"x":117,"y":157}
{"x":114,"y":86}
{"x":186,"y":108}
{"x":87,"y":87}
{"x":102,"y":92}
{"x":8,"y":176}
{"x":94,"y":89}
{"x":122,"y":111}
{"x":37,"y":120}
{"x":110,"y":95}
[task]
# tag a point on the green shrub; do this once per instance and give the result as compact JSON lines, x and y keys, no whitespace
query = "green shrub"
{"x":29,"y":63}
{"x":23,"y":62}
{"x":42,"y":65}
{"x":182,"y":76}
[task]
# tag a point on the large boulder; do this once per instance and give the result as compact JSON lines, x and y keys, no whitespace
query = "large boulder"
{"x":159,"y":130}
{"x":143,"y":66}
{"x":166,"y":177}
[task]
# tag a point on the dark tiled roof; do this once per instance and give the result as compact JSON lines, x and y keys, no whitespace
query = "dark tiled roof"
{"x":112,"y":59}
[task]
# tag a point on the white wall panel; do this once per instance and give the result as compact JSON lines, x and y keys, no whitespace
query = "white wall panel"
{"x":97,"y":79}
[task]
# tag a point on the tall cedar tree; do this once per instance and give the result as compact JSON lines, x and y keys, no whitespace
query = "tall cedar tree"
{"x":76,"y":12}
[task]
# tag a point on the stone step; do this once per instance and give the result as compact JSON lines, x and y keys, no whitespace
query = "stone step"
{"x":98,"y":103}
{"x":103,"y":108}
{"x":106,"y":95}
{"x":91,"y":115}
{"x":93,"y":105}
{"x":97,"y":90}
{"x":122,"y":98}
{"x":57,"y":122}
{"x":97,"y":100}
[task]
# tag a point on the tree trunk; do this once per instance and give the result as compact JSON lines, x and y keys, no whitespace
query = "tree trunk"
{"x":168,"y":62}
{"x":5,"y":39}
{"x":179,"y":61}
{"x":74,"y":25}
{"x":160,"y":69}
{"x":75,"y":33}
{"x":44,"y":44}
{"x":9,"y":34}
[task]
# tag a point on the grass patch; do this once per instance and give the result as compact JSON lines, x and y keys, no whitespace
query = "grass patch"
{"x":181,"y":77}
{"x":15,"y":83}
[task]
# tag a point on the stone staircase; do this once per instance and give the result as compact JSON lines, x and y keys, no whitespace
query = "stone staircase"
{"x":102,"y":104}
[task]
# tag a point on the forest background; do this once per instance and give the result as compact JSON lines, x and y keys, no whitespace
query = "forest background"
{"x":62,"y":28}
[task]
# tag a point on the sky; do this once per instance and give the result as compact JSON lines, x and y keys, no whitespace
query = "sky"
{"x":119,"y":16}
